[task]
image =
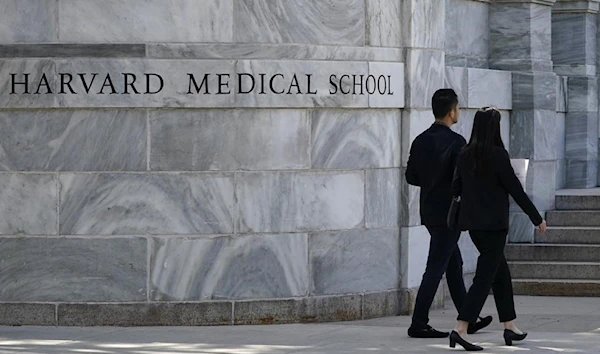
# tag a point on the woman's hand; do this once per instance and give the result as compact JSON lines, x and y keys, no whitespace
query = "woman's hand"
{"x":543,"y":227}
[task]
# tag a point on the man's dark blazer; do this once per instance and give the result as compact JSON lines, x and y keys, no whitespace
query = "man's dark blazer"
{"x":431,"y":166}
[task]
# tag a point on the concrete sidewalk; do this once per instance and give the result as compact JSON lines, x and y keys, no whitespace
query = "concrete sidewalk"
{"x":555,"y":325}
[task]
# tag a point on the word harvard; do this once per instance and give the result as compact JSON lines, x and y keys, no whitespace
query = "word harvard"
{"x":207,"y":84}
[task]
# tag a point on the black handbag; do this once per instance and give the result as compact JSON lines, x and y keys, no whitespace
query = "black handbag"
{"x":452,"y":219}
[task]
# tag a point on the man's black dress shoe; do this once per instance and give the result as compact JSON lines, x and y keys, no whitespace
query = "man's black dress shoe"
{"x":479,"y":325}
{"x":510,"y":336}
{"x":428,"y":332}
{"x":456,"y":338}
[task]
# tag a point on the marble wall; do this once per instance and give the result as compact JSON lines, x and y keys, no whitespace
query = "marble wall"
{"x":240,"y":208}
{"x":251,"y":208}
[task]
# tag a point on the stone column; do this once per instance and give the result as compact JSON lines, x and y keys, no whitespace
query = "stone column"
{"x":520,"y":41}
{"x":574,"y":56}
{"x":423,"y":40}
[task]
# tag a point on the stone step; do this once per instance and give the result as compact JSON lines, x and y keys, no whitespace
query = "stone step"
{"x":555,"y":270}
{"x":553,"y":252}
{"x":578,"y":200}
{"x":569,"y":235}
{"x":573,"y":218}
{"x":556,"y":287}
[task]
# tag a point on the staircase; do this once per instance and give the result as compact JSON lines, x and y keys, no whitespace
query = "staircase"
{"x":566,"y":260}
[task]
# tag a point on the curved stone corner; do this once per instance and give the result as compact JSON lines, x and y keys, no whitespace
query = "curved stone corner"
{"x":211,"y":313}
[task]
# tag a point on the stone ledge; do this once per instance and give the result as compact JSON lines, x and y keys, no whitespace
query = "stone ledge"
{"x":337,"y":308}
{"x":539,"y":2}
{"x":27,"y":314}
{"x":225,"y":51}
{"x":273,"y":52}
{"x":145,"y":314}
{"x":47,"y":50}
{"x":577,"y":6}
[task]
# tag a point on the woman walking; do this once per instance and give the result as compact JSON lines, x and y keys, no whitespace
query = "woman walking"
{"x":483,"y":179}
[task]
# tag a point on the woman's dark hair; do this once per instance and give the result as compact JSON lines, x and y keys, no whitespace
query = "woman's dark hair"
{"x":484,"y":137}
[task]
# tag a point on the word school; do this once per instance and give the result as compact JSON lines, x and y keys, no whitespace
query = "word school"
{"x":206,"y":84}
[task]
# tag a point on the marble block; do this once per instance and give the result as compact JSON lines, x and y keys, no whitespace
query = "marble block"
{"x":458,"y":61}
{"x":540,"y":21}
{"x":467,"y":28}
{"x":560,"y":135}
{"x":575,"y":70}
{"x":244,"y":267}
{"x":184,"y":140}
{"x":514,"y":41}
{"x":561,"y":174}
{"x":384,"y":23}
{"x":522,"y":65}
{"x":425,"y":75}
{"x":25,"y":95}
{"x":383,"y":304}
{"x":533,"y":134}
{"x":28,"y":21}
{"x":534,"y":91}
{"x":317,"y":94}
{"x":73,"y":269}
{"x":28,"y":204}
{"x":541,"y":184}
{"x":423,"y":24}
{"x":177,"y":90}
{"x":583,"y":94}
{"x":489,"y":87}
{"x":529,"y":34}
{"x":562,"y":93}
{"x":73,"y":140}
{"x":479,"y":63}
{"x":297,"y":51}
{"x":464,"y":126}
{"x":145,"y":21}
{"x":574,"y":38}
{"x":393,"y":96}
{"x":457,"y":79}
{"x":299,"y":21}
{"x":299,"y":201}
{"x":355,"y":139}
{"x":409,"y":202}
{"x":504,"y":128}
{"x":581,"y":174}
{"x":382,"y":198}
{"x":139,"y":204}
{"x":384,"y":19}
{"x":414,"y":249}
{"x":336,"y":256}
{"x":414,"y":122}
{"x":521,"y":229}
{"x":581,"y":132}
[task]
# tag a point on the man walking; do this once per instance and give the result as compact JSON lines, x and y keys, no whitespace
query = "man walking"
{"x":431,"y":166}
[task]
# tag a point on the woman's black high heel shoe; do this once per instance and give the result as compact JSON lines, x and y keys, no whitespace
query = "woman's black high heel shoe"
{"x":510,"y":336}
{"x":456,"y":338}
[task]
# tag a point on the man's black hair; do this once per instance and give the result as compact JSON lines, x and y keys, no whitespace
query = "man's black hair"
{"x":443,"y":101}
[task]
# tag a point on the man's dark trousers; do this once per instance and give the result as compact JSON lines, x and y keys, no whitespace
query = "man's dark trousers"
{"x":444,"y":257}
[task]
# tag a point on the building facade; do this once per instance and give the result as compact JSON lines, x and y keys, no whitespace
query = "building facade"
{"x":199,"y":162}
